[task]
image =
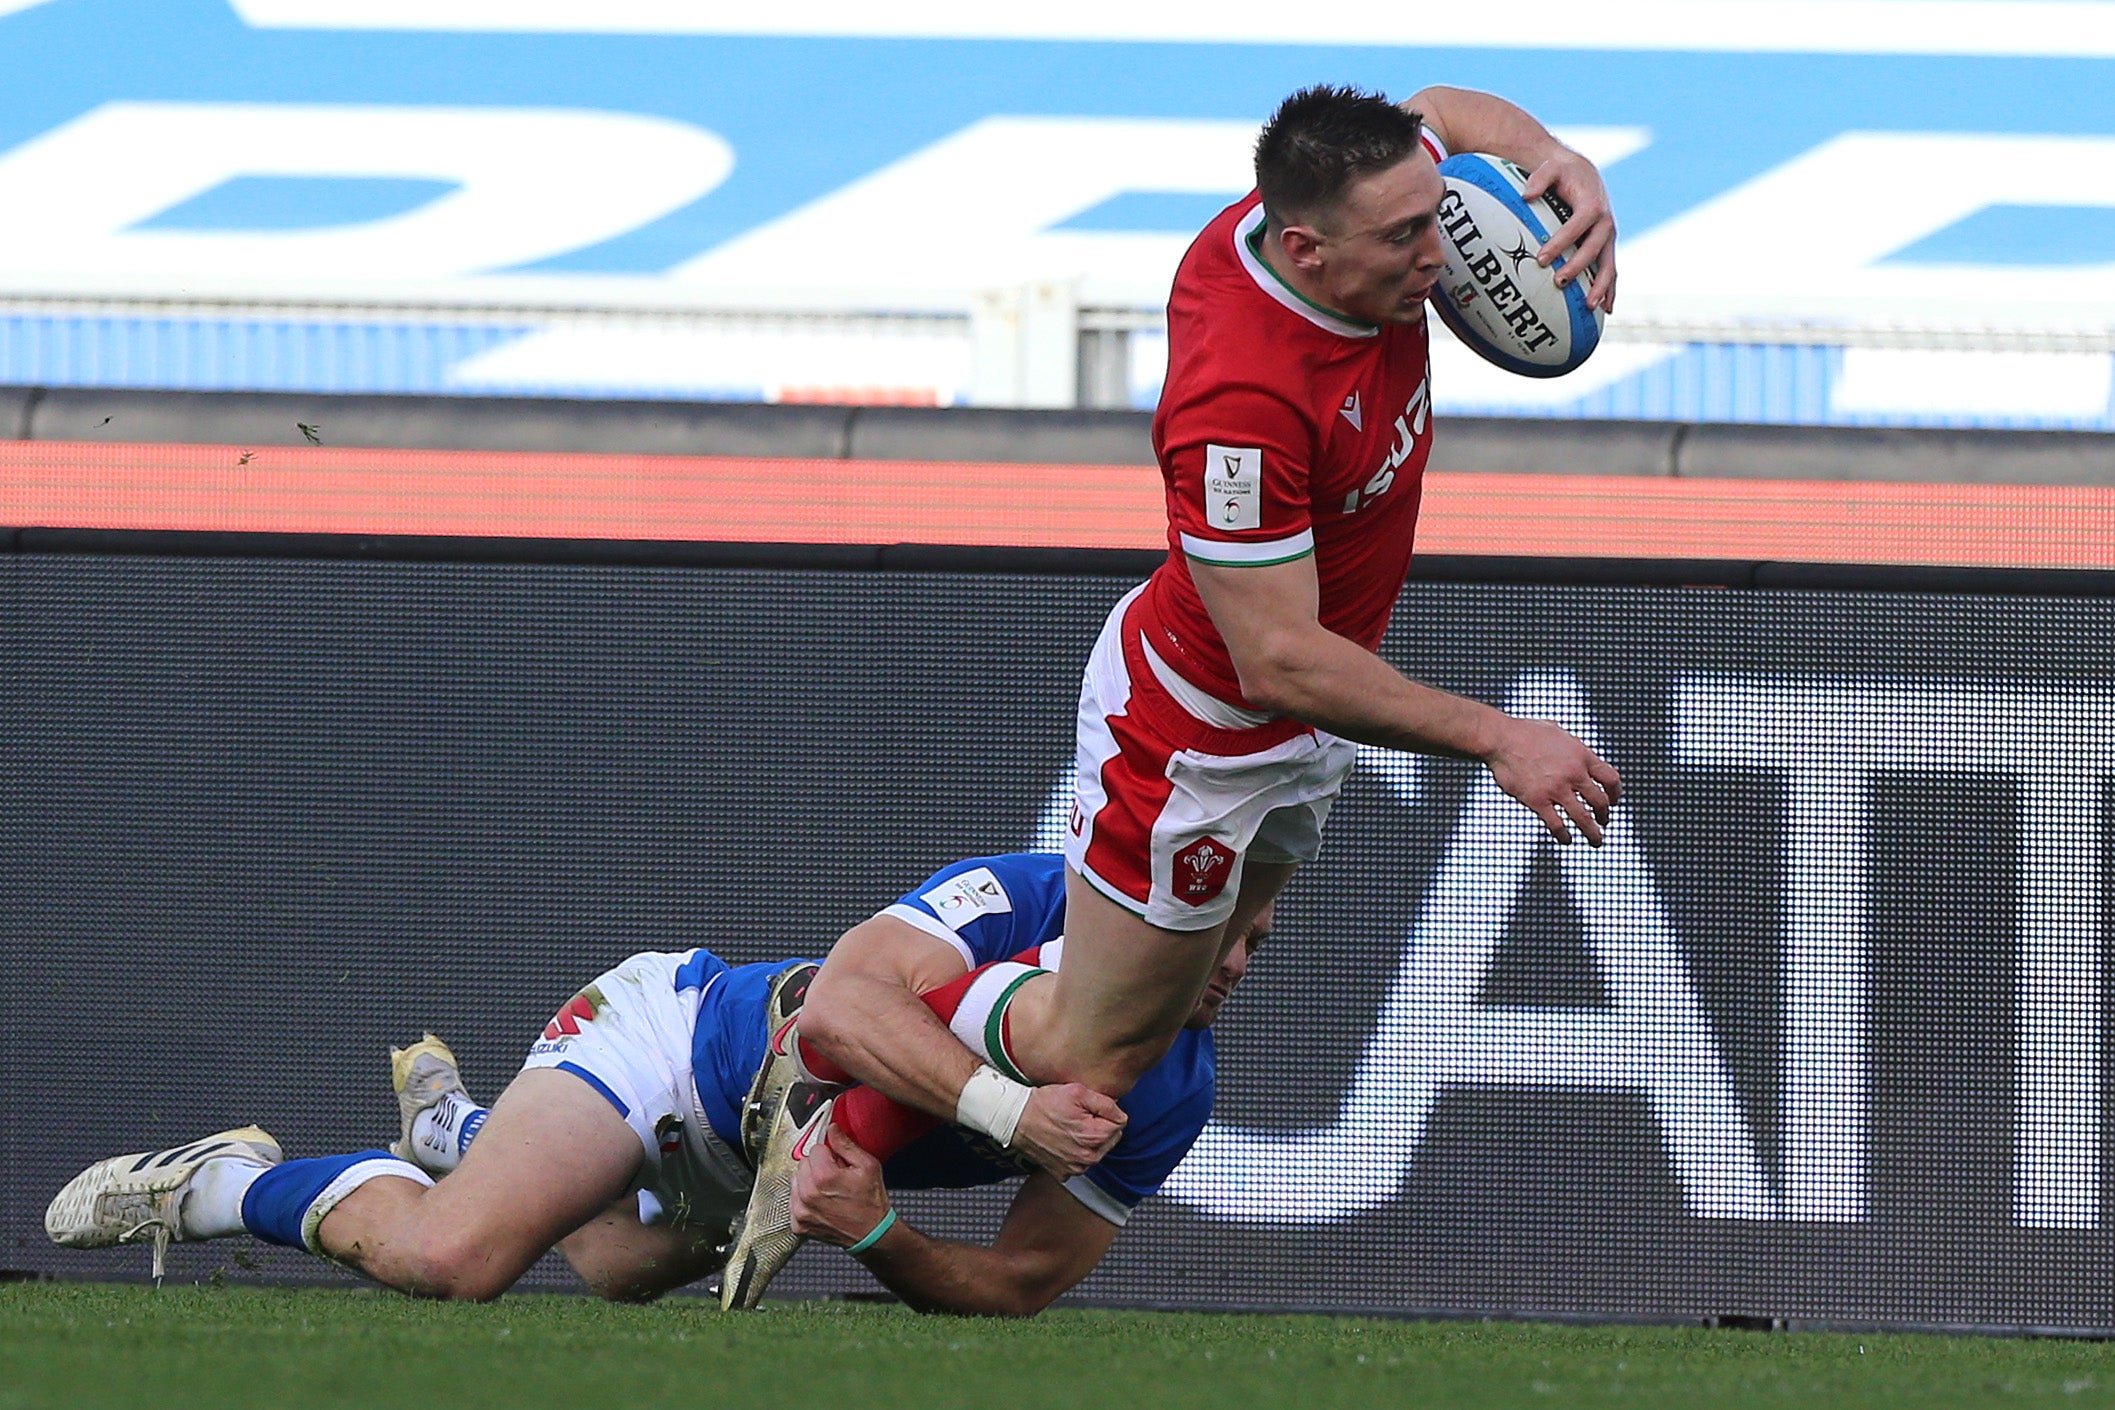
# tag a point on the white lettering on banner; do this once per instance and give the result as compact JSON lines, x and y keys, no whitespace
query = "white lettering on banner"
{"x":1836,"y":258}
{"x":997,"y":187}
{"x":1828,"y":738}
{"x":1824,"y":1130}
{"x":1432,"y":1033}
{"x":534,"y":183}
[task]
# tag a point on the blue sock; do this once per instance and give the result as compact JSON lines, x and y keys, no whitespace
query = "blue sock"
{"x":286,"y":1204}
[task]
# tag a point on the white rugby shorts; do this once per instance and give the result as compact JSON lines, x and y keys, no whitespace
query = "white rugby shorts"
{"x":628,"y":1035}
{"x":1170,"y":806}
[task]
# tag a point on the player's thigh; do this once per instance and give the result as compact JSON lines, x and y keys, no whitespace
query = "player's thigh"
{"x":1129,"y":980}
{"x":1125,"y":980}
{"x":1123,"y":992}
{"x":627,"y":1261}
{"x":553,"y":1154}
{"x":1126,"y":987}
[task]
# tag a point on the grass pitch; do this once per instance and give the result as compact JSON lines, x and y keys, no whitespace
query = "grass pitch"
{"x":80,"y":1344}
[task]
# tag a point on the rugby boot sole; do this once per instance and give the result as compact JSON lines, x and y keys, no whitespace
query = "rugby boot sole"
{"x":781,"y":1066}
{"x":763,"y":1241}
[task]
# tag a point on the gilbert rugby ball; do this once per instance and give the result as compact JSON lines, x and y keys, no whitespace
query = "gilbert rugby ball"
{"x":1493,"y":295}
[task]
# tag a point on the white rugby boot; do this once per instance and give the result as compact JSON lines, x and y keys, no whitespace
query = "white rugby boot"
{"x":423,"y":1075}
{"x":780,"y":1068}
{"x":130,"y":1198}
{"x":761,"y":1240}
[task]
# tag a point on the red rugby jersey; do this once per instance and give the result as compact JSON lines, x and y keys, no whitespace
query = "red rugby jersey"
{"x":1283,"y":430}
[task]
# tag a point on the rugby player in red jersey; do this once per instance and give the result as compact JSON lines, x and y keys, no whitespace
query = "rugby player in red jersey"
{"x":1221,"y":705}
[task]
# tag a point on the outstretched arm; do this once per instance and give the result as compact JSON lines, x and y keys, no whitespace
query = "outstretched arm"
{"x":1291,"y":664}
{"x":1048,"y":1243}
{"x":1469,"y":121}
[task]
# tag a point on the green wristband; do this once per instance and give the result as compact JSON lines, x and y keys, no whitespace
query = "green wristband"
{"x":888,"y":1222}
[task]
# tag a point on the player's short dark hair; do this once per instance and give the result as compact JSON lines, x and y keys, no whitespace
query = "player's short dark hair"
{"x":1322,"y":139}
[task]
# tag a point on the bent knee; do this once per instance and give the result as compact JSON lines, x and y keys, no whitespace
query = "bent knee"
{"x":454,"y":1271}
{"x":645,"y":1282}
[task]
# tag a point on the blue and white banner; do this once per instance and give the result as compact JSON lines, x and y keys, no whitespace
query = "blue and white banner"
{"x":1942,"y":168}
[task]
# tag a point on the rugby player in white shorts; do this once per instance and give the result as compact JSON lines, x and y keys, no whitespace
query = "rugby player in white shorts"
{"x":622,"y":1143}
{"x":1219,"y":706}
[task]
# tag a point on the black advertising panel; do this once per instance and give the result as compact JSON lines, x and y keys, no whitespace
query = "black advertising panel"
{"x":1820,"y":1035}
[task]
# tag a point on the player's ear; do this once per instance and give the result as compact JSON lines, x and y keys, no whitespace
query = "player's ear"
{"x":1302,"y":244}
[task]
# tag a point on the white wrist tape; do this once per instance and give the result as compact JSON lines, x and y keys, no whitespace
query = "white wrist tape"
{"x":992,"y":1102}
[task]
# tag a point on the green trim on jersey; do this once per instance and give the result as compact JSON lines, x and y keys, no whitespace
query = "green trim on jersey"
{"x":1255,"y":247}
{"x":1307,"y":552}
{"x":995,"y":1030}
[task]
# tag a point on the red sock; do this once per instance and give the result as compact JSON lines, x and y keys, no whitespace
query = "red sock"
{"x":879,"y":1125}
{"x":820,"y":1067}
{"x":882,"y":1126}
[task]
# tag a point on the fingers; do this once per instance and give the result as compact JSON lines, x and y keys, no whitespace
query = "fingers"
{"x":1087,"y":1104}
{"x":1603,"y":293}
{"x":828,"y":1162}
{"x":1576,"y":811}
{"x":1593,"y":241}
{"x":1593,"y":244}
{"x":1578,"y":795}
{"x":1582,"y":230}
{"x":850,"y":1155}
{"x":1582,"y":816}
{"x":805,"y":1200}
{"x":1590,"y":234}
{"x":1069,"y":1127}
{"x":836,"y":1188}
{"x":1565,"y":237}
{"x":1102,"y":1109}
{"x":1104,"y":1106}
{"x":1605,"y":774}
{"x":1554,"y":821}
{"x":1589,"y":800}
{"x":1590,"y":246}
